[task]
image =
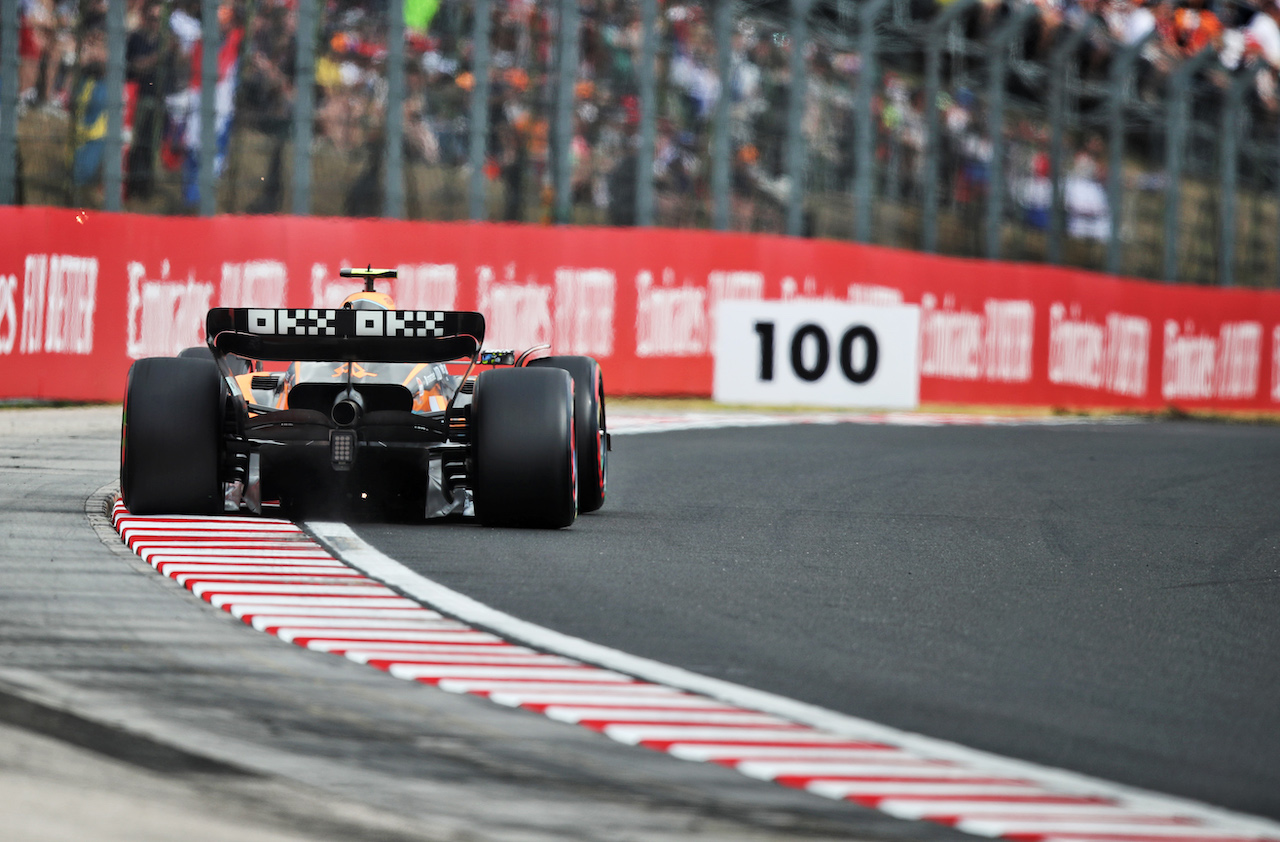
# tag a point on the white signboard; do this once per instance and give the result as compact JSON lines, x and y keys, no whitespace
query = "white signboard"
{"x":817,"y":353}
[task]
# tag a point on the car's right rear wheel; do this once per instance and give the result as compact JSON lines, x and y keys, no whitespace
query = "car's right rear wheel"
{"x":591,"y":431}
{"x":170,"y":440}
{"x":524,"y":470}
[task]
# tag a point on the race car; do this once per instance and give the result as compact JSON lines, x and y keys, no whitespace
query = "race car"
{"x":364,"y":410}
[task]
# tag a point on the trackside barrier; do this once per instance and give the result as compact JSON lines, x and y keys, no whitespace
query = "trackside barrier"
{"x":82,"y":294}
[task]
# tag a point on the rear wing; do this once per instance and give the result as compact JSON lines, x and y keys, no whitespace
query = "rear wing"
{"x":345,"y":335}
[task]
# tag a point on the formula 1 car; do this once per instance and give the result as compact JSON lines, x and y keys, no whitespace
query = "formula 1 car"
{"x":379,"y":411}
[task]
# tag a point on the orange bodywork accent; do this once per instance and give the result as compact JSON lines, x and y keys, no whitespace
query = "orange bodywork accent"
{"x":433,"y":399}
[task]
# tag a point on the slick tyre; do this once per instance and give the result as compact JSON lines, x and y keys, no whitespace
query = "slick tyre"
{"x":589,"y":420}
{"x":524,"y":466}
{"x":170,"y":441}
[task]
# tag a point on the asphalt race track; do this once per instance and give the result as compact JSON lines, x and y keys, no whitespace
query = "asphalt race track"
{"x":131,"y":711}
{"x":1101,"y":598}
{"x":1096,"y":597}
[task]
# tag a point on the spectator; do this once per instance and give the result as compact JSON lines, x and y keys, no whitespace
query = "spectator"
{"x":184,"y":107}
{"x":145,"y":66}
{"x":266,"y":96}
{"x":1130,"y":20}
{"x":90,"y":109}
{"x":1088,"y":211}
{"x":184,"y":20}
{"x":1035,"y":193}
{"x":36,"y":38}
{"x":343,"y":77}
{"x":1097,"y":46}
{"x":976,"y":152}
{"x":1195,"y":27}
{"x":1049,"y":21}
{"x":1261,"y":45}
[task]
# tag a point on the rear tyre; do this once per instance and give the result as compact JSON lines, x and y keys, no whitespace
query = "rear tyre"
{"x":170,"y":442}
{"x":589,"y":419}
{"x":524,"y":470}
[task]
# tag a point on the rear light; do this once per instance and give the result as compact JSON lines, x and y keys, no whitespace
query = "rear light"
{"x":342,"y":449}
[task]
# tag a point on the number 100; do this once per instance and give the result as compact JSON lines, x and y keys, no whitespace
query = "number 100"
{"x":815,"y":336}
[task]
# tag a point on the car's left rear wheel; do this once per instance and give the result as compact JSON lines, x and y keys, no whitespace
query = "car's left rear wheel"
{"x":238,"y":365}
{"x":170,"y":440}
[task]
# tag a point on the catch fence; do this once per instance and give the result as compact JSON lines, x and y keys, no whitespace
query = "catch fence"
{"x":965,"y":128}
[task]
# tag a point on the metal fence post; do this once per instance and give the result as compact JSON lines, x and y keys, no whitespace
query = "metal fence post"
{"x":1233,"y":117}
{"x":113,"y":145}
{"x":8,"y":101}
{"x":1058,"y":59}
{"x":211,"y":43}
{"x":999,"y":44}
{"x":304,"y":106}
{"x":901,"y":14}
{"x":479,"y":110}
{"x":1174,"y":151}
{"x":935,"y":36}
{"x":393,"y":139}
{"x":865,"y":129}
{"x":567,"y":73}
{"x":795,"y":153}
{"x":648,"y":112}
{"x":721,"y":148}
{"x":1121,"y":77}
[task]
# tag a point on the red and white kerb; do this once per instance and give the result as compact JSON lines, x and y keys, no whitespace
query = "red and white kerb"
{"x":274,"y":577}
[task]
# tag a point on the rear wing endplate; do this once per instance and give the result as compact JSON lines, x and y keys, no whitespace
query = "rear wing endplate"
{"x":345,"y":335}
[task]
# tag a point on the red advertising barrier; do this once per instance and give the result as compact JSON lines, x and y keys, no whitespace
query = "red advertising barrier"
{"x":82,"y":294}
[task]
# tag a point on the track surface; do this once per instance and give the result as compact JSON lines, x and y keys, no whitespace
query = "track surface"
{"x":174,"y":720}
{"x":1097,"y":598}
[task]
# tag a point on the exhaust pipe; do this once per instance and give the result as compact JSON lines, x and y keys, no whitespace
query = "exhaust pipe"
{"x":347,"y":408}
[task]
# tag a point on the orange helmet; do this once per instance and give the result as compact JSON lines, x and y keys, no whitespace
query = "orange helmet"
{"x":368,"y":300}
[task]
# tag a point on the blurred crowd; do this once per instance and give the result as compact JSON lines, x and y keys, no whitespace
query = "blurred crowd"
{"x":62,"y":55}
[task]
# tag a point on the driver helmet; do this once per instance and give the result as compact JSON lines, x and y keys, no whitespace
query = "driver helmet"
{"x":365,"y":300}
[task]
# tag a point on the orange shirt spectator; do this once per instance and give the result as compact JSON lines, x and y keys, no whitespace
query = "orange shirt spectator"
{"x":1195,"y":28}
